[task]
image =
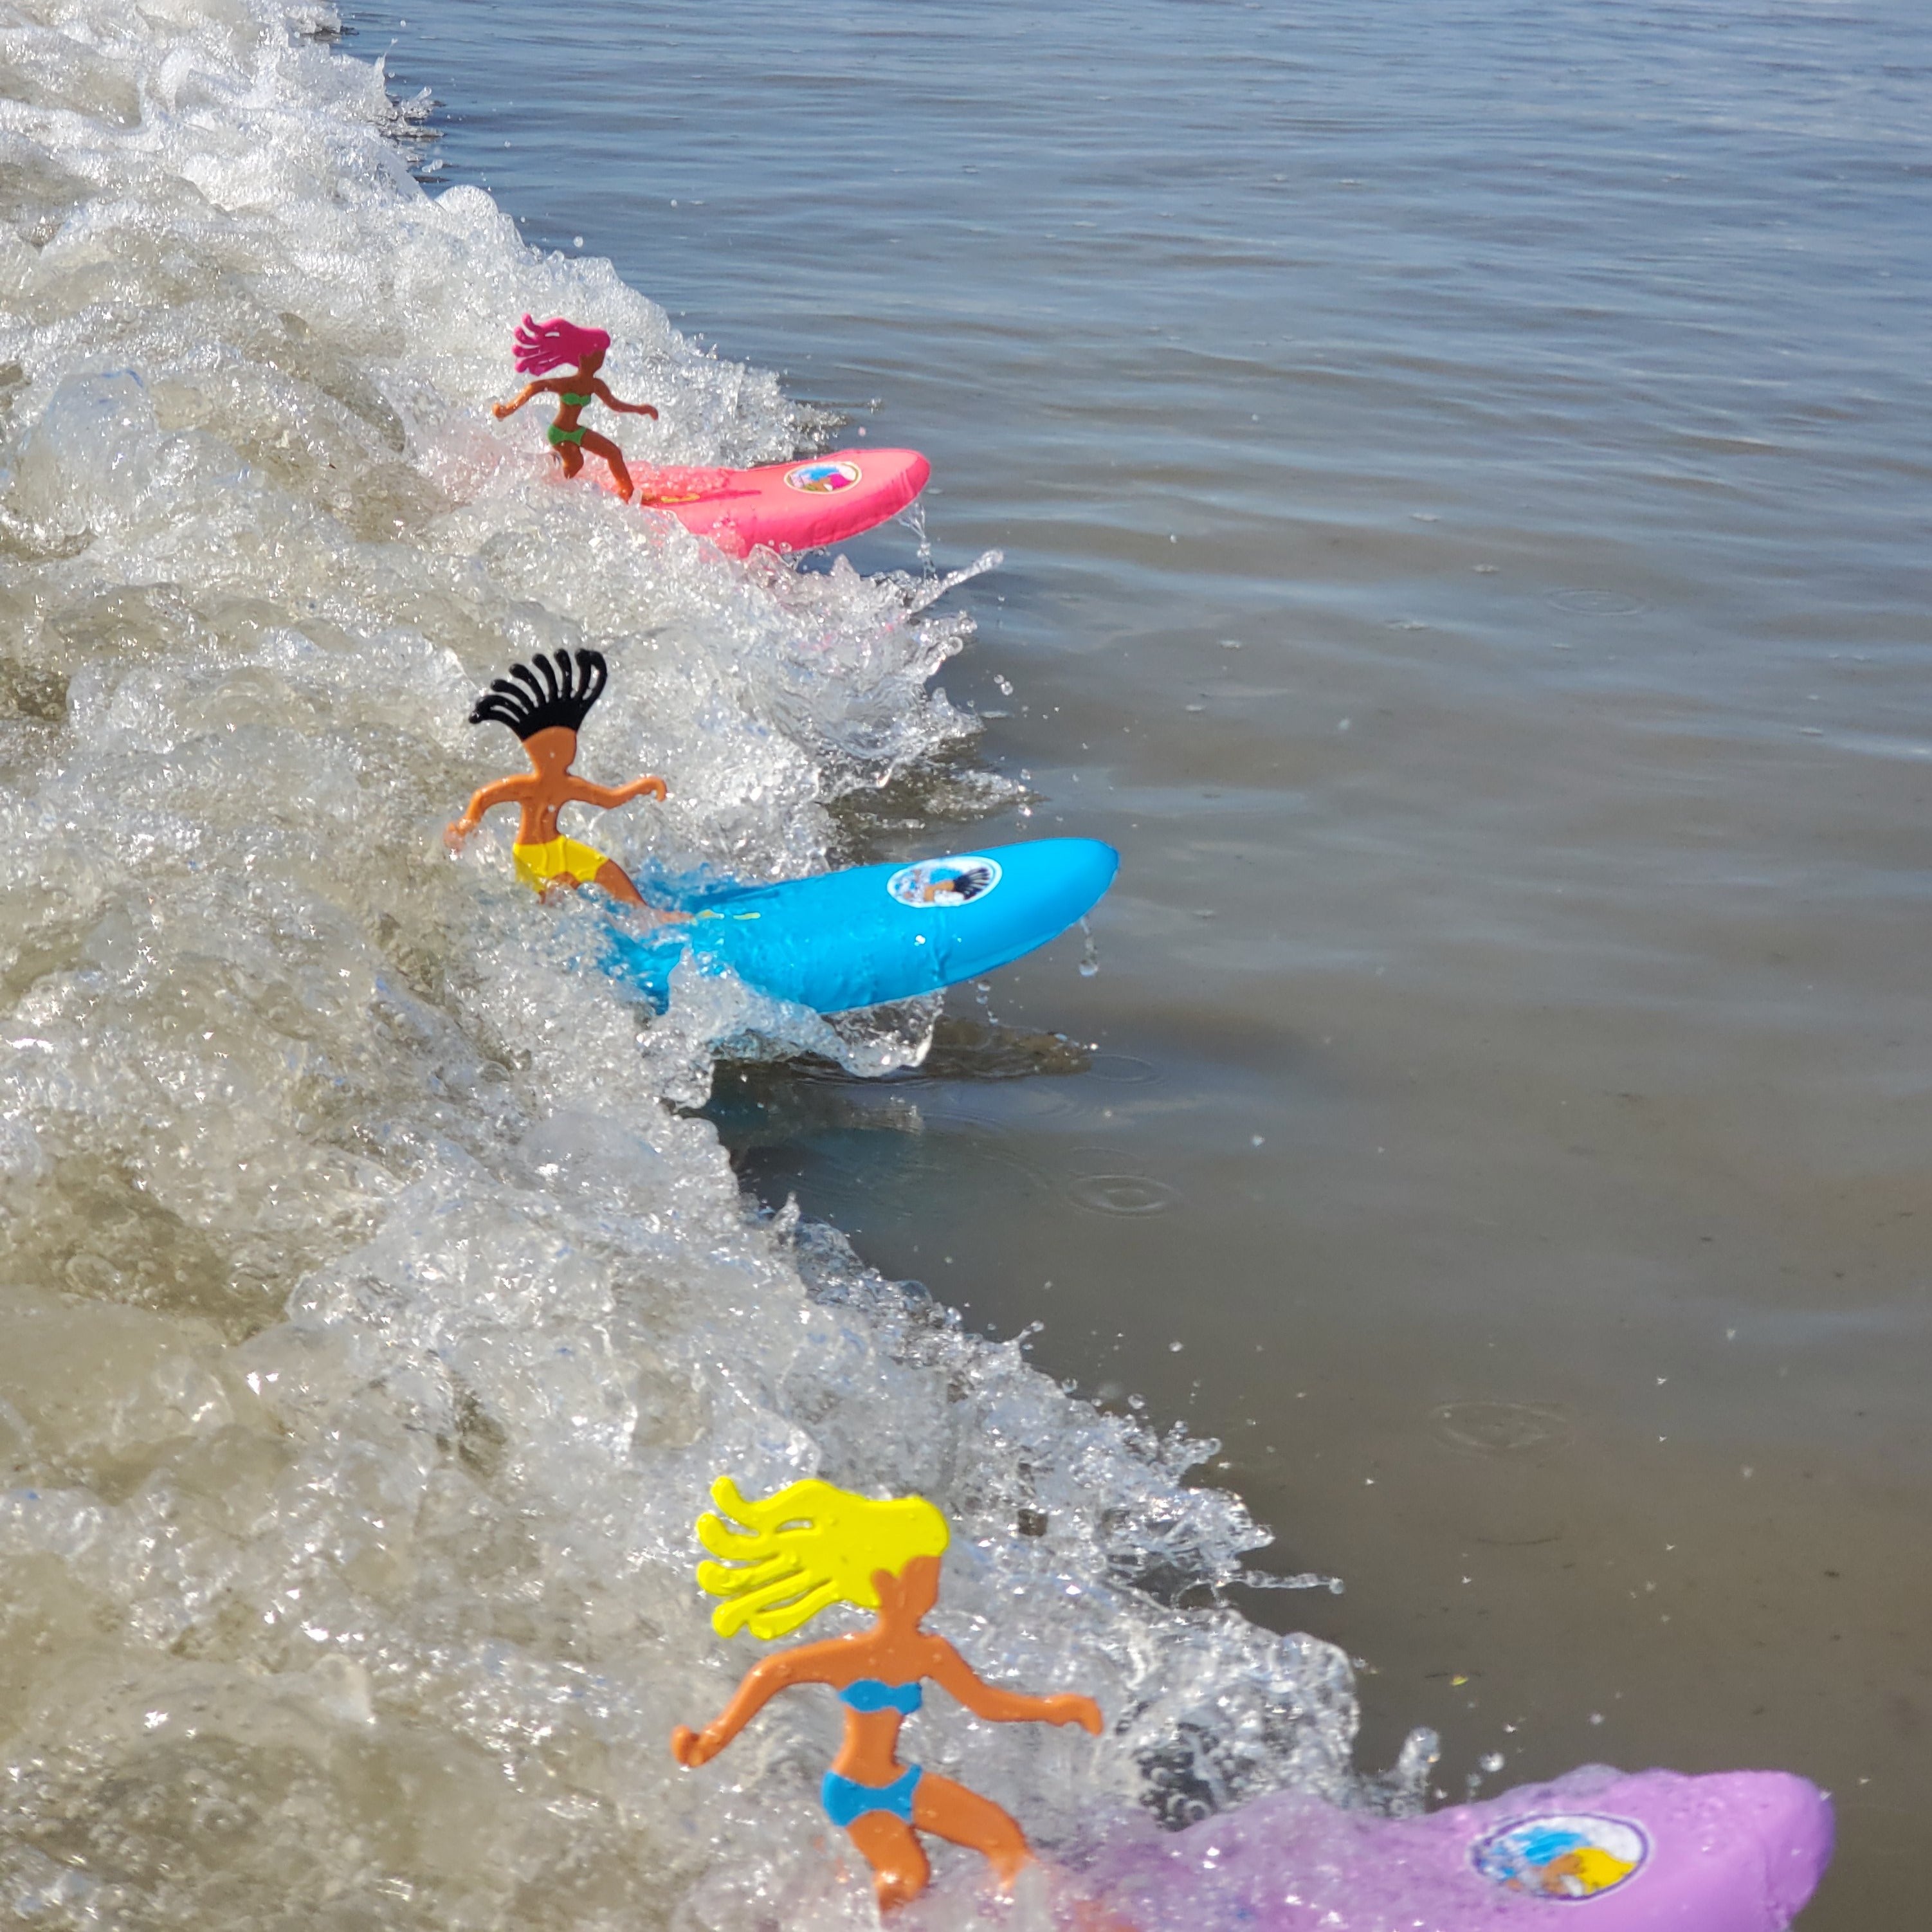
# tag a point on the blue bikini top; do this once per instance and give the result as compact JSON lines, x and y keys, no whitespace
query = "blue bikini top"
{"x":870,"y":1693}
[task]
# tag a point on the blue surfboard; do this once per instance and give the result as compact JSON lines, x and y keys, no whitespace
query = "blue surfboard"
{"x":874,"y":933}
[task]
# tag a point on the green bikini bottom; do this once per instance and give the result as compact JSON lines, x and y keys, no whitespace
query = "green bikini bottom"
{"x":565,"y":435}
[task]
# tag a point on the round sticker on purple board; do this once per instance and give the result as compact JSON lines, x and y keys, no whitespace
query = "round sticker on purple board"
{"x":1563,"y":1857}
{"x":822,"y":479}
{"x":945,"y":882}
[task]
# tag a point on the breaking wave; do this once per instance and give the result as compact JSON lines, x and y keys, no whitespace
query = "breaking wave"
{"x":375,"y":1312}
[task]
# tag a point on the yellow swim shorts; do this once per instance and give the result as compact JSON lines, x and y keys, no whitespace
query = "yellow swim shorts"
{"x":537,"y":865}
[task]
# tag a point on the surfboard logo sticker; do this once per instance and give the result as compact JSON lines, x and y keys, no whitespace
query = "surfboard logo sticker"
{"x":956,"y":881}
{"x":1568,"y":1856}
{"x":823,"y":479}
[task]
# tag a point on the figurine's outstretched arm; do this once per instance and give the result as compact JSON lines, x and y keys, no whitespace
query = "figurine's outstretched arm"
{"x":609,"y":796}
{"x":949,"y":1669}
{"x":761,"y":1683}
{"x":500,"y":410}
{"x":601,"y":388}
{"x":503,"y":791}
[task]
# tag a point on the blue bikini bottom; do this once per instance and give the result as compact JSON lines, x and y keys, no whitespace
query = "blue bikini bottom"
{"x":845,"y":1798}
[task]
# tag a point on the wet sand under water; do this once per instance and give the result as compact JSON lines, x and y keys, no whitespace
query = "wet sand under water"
{"x":1462,"y":486}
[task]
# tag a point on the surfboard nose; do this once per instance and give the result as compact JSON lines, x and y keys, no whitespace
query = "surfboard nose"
{"x":1791,"y":1818}
{"x":1089,"y":867}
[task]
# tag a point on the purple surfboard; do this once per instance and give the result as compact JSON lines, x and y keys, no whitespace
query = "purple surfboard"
{"x":1597,"y":1851}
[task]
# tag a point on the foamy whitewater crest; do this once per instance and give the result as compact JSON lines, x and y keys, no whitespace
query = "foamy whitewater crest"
{"x":372,"y":1327}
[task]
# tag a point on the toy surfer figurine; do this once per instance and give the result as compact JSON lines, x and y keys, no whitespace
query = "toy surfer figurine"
{"x":544,"y":345}
{"x":544,"y":708}
{"x":812,"y":1545}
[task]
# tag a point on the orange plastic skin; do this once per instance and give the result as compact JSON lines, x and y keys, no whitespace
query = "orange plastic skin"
{"x":897,"y":1651}
{"x":568,"y":440}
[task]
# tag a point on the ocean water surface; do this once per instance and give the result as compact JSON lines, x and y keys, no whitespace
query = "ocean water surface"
{"x":1444,"y":490}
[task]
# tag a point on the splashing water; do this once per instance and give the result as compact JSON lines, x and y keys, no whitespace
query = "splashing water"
{"x":375,"y":1320}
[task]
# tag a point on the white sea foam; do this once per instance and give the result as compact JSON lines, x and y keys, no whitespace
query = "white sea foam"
{"x":373,"y":1325}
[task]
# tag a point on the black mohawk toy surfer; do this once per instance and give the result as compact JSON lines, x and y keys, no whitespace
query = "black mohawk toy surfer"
{"x":544,"y":707}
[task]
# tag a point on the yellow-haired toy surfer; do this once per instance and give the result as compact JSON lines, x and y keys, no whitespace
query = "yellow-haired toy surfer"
{"x":811,"y":1545}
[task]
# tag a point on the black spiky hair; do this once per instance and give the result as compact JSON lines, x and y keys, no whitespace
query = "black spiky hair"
{"x":548,"y":695}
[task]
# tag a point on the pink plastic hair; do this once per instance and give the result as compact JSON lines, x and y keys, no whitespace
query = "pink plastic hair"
{"x":544,"y":345}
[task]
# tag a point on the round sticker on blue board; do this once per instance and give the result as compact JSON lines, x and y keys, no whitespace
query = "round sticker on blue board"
{"x":823,"y":479}
{"x":1566,"y":1856}
{"x":944,"y":882}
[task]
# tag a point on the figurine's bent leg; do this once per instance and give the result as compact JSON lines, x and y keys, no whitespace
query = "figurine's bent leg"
{"x":899,"y":1869}
{"x":949,"y":1811}
{"x":611,"y":878}
{"x":571,"y":457}
{"x":602,"y":445}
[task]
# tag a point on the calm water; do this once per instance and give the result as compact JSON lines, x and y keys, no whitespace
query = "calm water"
{"x":1461,"y":474}
{"x":1460,"y":471}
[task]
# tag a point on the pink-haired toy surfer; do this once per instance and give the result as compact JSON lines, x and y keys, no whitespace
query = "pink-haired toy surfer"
{"x":544,"y":345}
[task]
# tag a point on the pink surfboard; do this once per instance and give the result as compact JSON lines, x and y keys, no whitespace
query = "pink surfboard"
{"x":787,"y":506}
{"x":1596,"y":1851}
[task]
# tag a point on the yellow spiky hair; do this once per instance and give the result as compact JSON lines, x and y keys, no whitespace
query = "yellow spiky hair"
{"x":808,"y":1546}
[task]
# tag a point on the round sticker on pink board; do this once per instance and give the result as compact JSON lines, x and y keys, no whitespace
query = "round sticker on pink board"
{"x":824,"y":478}
{"x":1565,"y":1857}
